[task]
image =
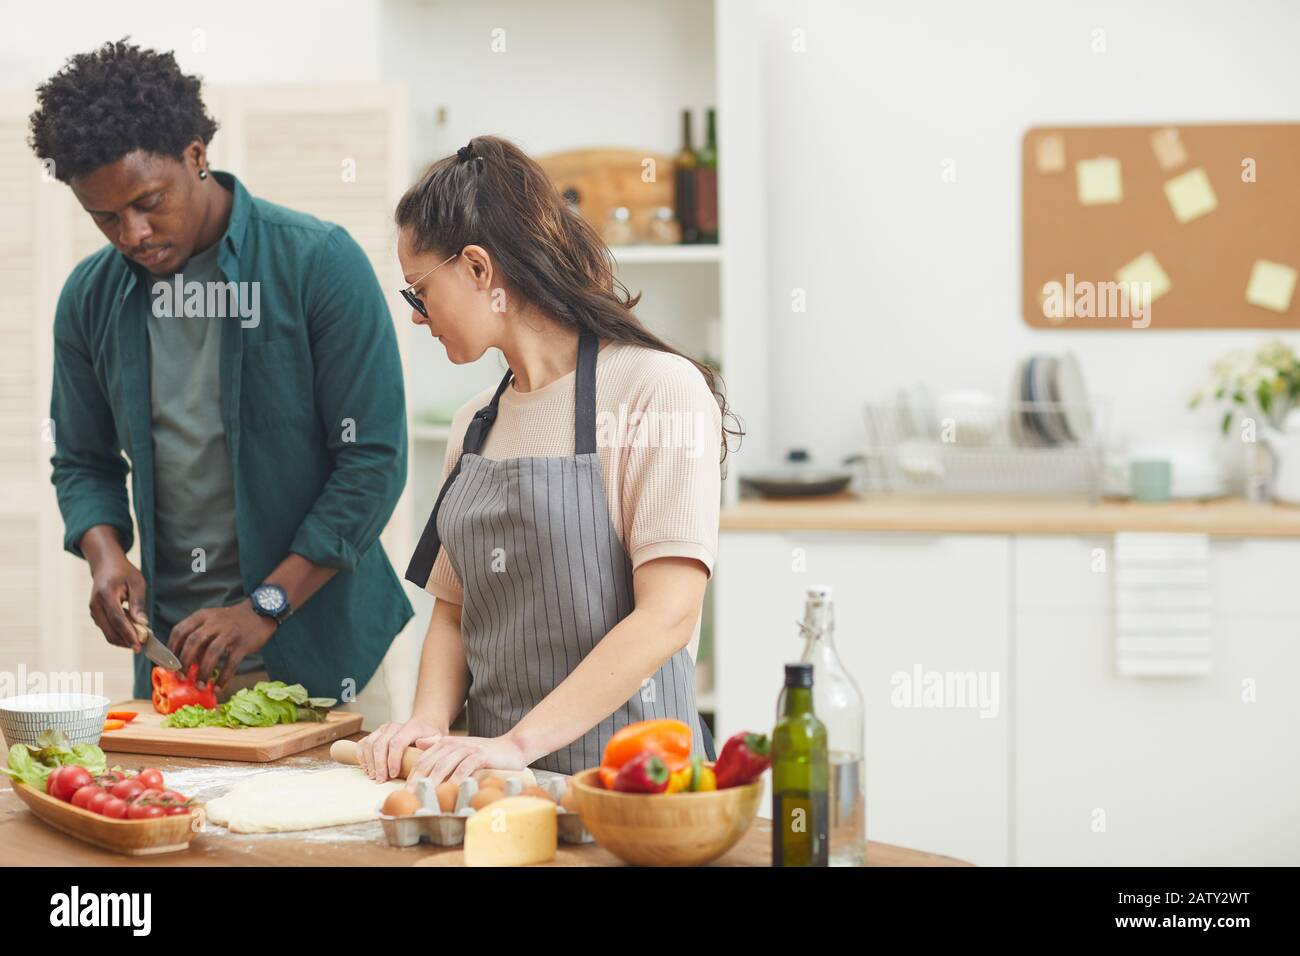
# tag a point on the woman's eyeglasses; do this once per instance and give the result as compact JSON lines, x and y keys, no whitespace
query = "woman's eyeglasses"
{"x":409,"y":294}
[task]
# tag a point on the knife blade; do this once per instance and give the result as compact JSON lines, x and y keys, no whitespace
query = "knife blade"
{"x":154,"y":649}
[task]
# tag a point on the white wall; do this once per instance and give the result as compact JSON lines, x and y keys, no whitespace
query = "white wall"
{"x":553,"y":75}
{"x":910,"y":278}
{"x":242,"y":41}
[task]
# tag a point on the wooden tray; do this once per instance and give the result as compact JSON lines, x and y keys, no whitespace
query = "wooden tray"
{"x":129,"y":837}
{"x":147,"y":735}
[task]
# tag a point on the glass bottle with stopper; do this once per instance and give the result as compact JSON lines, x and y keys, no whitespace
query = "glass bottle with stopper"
{"x":838,"y":702}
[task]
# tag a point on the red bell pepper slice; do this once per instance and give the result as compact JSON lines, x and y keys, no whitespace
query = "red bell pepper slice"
{"x":171,"y":692}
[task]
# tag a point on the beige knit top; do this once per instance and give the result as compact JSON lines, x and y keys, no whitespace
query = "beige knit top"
{"x":658,"y":434}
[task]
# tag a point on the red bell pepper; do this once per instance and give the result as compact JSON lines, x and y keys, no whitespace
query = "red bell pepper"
{"x":743,"y":759}
{"x":171,"y":692}
{"x":644,"y":773}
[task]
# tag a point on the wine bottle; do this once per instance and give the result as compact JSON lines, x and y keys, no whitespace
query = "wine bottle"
{"x":684,"y":166}
{"x":838,"y":702}
{"x":800,"y":775}
{"x":706,"y":184}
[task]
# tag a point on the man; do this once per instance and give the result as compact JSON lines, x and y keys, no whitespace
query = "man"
{"x":242,"y":356}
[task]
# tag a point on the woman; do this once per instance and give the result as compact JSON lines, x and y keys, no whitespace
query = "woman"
{"x":571,"y":543}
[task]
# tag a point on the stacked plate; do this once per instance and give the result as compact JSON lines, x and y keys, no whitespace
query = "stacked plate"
{"x":1049,"y":403}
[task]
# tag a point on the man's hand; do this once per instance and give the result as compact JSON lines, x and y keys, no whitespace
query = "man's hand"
{"x":205,"y":635}
{"x":114,"y":579}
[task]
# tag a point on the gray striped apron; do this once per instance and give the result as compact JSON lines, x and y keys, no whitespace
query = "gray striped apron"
{"x":545,"y":578}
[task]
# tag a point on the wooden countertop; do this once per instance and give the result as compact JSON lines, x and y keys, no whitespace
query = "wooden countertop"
{"x":29,"y":842}
{"x":953,"y":514}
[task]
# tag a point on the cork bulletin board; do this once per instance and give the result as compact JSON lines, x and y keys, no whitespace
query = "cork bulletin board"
{"x":1207,"y":217}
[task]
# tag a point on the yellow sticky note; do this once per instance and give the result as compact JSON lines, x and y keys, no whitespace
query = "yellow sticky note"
{"x":1146,"y":269}
{"x":1049,"y":152}
{"x":1191,"y":195}
{"x":1168,"y":147}
{"x":1099,"y":181}
{"x":1271,"y":285}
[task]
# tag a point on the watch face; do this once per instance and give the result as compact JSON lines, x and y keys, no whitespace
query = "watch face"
{"x":270,"y":600}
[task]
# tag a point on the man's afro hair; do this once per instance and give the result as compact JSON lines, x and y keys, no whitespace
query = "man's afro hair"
{"x":113,"y":101}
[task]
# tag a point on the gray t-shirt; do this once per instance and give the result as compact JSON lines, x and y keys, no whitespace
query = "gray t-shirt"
{"x":197,"y":558}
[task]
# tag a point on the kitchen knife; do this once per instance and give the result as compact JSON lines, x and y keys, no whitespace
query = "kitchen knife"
{"x":154,"y":649}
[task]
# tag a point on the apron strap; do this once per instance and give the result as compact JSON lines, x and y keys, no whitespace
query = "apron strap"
{"x":584,"y":400}
{"x":426,"y":549}
{"x":584,"y":428}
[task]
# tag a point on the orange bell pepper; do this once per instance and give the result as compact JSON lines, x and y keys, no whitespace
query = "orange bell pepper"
{"x":669,"y":739}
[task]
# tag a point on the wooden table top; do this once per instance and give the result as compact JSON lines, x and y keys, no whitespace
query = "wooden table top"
{"x":1009,"y":514}
{"x":27,"y":841}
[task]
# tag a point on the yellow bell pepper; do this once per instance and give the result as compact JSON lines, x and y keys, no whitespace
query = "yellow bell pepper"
{"x":702,"y":777}
{"x":679,"y":780}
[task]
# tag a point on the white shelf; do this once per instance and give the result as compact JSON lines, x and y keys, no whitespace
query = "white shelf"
{"x":666,"y":255}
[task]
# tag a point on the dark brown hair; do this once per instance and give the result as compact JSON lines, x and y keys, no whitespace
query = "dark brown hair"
{"x":493,"y":194}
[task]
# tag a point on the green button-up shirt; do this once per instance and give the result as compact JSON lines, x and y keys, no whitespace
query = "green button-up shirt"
{"x":314,"y":412}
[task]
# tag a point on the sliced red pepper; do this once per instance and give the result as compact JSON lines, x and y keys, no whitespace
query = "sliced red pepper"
{"x":743,"y":759}
{"x":171,"y":692}
{"x":126,"y":716}
{"x":112,"y":724}
{"x":644,"y":773}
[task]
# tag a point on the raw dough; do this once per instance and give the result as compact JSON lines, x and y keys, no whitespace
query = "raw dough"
{"x":277,"y":800}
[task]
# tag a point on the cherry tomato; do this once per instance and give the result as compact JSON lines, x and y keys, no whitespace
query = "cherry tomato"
{"x":110,"y":777}
{"x":85,"y":794}
{"x":175,"y":810}
{"x":171,"y":796}
{"x":149,"y":795}
{"x":97,"y":802}
{"x":151,"y":778}
{"x":143,"y":811}
{"x":67,"y":780}
{"x":115,"y":807}
{"x":128,"y":789}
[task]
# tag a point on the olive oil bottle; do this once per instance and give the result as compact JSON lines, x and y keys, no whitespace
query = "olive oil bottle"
{"x":800,"y":776}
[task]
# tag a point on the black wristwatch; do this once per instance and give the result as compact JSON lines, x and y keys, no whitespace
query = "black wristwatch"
{"x":271,"y":600}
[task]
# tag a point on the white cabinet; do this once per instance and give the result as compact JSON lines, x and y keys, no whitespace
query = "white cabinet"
{"x":937,"y":776}
{"x":1113,"y":770}
{"x":1077,"y":765}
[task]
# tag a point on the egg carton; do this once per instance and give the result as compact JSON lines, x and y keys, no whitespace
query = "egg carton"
{"x":431,"y":825}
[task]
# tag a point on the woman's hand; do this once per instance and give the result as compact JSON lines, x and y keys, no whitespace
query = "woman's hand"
{"x":381,"y":752}
{"x":455,"y":758}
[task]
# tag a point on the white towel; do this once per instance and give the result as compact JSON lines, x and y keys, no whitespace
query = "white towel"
{"x":1162,"y":604}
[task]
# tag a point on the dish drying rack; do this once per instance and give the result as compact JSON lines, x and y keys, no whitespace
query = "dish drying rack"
{"x":1013,"y":447}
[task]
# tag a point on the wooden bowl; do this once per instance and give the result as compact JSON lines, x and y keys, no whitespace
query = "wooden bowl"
{"x":675,"y":829}
{"x":129,"y":837}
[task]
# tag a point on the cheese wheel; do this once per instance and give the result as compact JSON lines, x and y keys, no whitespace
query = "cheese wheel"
{"x":513,"y":831}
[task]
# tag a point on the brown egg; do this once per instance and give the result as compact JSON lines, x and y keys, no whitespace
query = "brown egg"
{"x":492,"y":782}
{"x":446,"y":792}
{"x":485,"y":796}
{"x":401,"y":803}
{"x":569,"y":800}
{"x":537,"y":792}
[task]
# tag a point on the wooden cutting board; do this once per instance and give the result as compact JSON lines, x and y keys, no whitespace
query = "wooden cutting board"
{"x":147,"y":735}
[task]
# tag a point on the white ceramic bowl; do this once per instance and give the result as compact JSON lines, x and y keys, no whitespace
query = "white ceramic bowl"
{"x":80,"y":717}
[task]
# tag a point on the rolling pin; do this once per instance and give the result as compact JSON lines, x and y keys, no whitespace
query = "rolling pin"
{"x":345,"y":751}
